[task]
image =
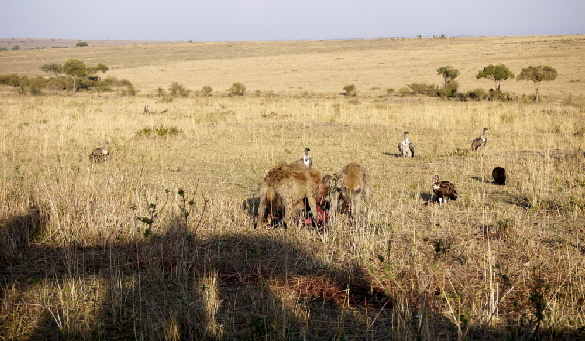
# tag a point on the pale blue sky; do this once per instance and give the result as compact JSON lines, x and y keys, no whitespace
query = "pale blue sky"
{"x":225,"y":20}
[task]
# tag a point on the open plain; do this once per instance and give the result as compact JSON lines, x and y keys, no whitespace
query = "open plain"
{"x":157,"y":242}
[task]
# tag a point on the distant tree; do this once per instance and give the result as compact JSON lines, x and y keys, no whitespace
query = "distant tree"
{"x":56,"y":69}
{"x":448,"y":72}
{"x":15,"y":47}
{"x":538,"y":74}
{"x":75,"y":68}
{"x":81,"y":44}
{"x":497,"y":73}
{"x":237,"y":89}
{"x":350,"y":90}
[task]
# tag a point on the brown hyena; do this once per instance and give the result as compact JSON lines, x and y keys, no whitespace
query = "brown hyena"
{"x":284,"y":188}
{"x":302,"y":208}
{"x":353,"y":186}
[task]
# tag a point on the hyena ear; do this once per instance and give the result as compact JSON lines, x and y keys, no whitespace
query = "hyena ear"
{"x":326,"y":178}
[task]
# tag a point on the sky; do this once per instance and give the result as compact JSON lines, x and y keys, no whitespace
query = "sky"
{"x":264,"y":20}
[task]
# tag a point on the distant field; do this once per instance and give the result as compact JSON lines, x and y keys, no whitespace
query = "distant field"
{"x":158,"y":241}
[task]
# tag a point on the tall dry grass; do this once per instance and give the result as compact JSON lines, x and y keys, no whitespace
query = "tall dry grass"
{"x":157,"y":242}
{"x":77,"y":263}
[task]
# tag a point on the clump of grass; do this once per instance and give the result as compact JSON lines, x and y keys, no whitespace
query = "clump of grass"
{"x":158,"y":131}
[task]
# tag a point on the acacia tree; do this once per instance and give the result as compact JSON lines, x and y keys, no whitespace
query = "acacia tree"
{"x":497,"y":73}
{"x":52,"y":68}
{"x":449,"y":73}
{"x":75,"y":68}
{"x":538,"y":74}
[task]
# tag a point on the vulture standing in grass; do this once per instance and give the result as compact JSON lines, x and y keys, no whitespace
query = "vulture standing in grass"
{"x":306,"y":159}
{"x":100,"y":154}
{"x":480,"y":141}
{"x":444,"y":191}
{"x":406,"y":147}
{"x":499,"y":175}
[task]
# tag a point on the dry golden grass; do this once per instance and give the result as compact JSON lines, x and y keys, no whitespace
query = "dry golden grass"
{"x":500,"y":262}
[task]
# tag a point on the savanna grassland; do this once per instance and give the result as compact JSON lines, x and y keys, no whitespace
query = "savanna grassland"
{"x":158,"y":241}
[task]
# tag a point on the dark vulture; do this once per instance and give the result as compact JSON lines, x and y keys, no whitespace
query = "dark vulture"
{"x":444,"y":190}
{"x":499,"y":175}
{"x":100,"y":154}
{"x":306,"y":159}
{"x":480,"y":141}
{"x":406,"y":148}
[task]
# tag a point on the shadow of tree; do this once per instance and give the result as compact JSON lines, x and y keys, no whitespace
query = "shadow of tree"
{"x":176,"y":285}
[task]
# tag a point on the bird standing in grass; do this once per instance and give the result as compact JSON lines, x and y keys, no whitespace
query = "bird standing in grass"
{"x":406,"y":147}
{"x":306,"y":159}
{"x":444,"y":190}
{"x":480,"y":141}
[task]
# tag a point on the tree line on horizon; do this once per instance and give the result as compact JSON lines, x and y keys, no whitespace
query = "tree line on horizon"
{"x":78,"y":76}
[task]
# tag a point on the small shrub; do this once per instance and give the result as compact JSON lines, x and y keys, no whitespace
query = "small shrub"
{"x":497,"y":95}
{"x":160,"y":92}
{"x":478,"y":94}
{"x":130,"y":91}
{"x":177,"y":89}
{"x":158,"y":131}
{"x":390,"y":91}
{"x":450,"y":90}
{"x":423,"y":88}
{"x":404,"y":91}
{"x":237,"y":89}
{"x":350,"y":90}
{"x":507,"y":118}
{"x":206,"y":90}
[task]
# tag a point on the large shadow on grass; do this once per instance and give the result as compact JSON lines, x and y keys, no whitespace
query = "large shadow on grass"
{"x":175,"y":285}
{"x":253,"y":285}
